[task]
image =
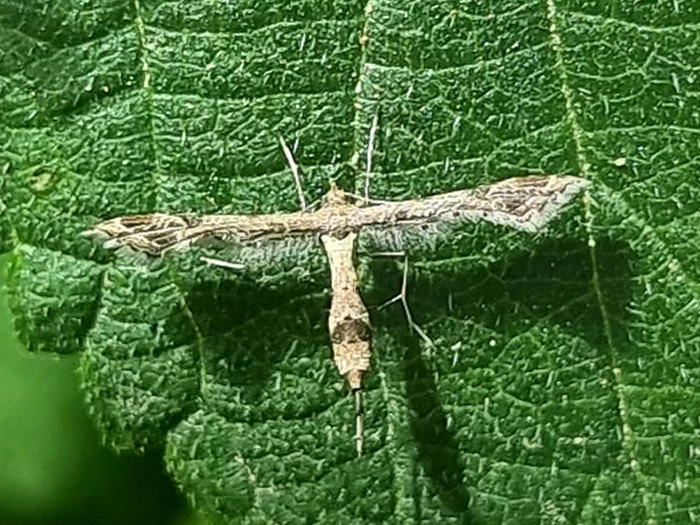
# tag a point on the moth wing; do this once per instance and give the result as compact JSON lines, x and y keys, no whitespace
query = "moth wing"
{"x":158,"y":233}
{"x":523,"y":203}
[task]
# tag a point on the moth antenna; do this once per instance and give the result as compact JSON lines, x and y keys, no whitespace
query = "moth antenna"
{"x":359,"y":420}
{"x":295,"y":172}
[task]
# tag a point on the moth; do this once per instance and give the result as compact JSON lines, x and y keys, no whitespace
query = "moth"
{"x":523,"y":203}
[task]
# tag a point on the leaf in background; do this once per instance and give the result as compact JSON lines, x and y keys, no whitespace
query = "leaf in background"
{"x":563,"y":383}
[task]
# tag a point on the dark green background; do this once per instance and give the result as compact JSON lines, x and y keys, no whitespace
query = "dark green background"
{"x":52,"y":466}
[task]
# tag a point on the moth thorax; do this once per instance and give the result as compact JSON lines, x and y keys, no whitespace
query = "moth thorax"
{"x":335,"y":197}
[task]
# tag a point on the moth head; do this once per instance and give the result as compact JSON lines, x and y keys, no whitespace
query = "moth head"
{"x":335,"y":196}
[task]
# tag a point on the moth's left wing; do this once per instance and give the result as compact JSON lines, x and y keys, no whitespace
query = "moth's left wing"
{"x":159,"y":233}
{"x":523,"y":203}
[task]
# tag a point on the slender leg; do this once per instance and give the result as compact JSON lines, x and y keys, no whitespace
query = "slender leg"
{"x":224,"y":264}
{"x":404,"y":301}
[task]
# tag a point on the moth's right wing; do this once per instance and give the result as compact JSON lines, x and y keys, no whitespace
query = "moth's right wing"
{"x":523,"y":203}
{"x":159,"y":233}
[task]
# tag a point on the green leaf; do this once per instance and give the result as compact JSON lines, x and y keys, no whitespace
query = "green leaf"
{"x":563,"y":383}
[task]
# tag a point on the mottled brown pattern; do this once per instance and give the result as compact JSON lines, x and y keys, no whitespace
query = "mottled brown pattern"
{"x":348,"y":320}
{"x":524,"y":203}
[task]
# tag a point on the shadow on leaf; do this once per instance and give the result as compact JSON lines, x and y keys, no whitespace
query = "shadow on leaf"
{"x":556,"y":283}
{"x":249,"y":330}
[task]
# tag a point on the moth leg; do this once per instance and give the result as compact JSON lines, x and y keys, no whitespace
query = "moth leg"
{"x":223,"y":264}
{"x":403,"y":297}
{"x":388,"y":254}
